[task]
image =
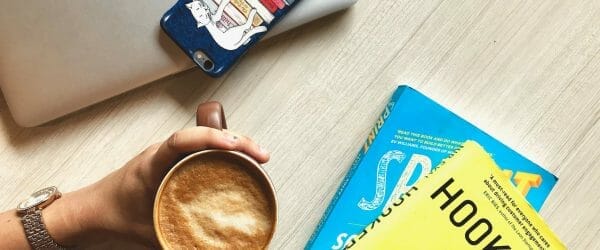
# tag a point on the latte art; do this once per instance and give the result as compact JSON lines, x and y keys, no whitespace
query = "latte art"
{"x":215,"y":203}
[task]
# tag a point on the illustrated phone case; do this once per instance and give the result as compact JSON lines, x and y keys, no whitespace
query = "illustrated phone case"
{"x":215,"y":33}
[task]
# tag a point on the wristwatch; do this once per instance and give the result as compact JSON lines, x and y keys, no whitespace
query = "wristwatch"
{"x":30,"y":211}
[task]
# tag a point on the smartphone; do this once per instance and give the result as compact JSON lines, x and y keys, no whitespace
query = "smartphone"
{"x":216,"y":33}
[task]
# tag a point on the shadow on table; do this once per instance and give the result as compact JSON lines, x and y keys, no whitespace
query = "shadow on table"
{"x":19,"y":137}
{"x":300,"y":35}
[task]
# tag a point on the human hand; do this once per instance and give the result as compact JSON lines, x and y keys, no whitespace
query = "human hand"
{"x":121,"y":204}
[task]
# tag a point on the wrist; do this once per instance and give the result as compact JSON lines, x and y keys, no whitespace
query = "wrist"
{"x":70,"y":220}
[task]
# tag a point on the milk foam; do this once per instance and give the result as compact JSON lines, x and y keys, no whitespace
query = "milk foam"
{"x":214,"y":204}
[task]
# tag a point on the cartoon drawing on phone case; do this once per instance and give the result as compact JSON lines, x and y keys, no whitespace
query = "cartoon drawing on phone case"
{"x":215,"y":33}
{"x":233,"y":37}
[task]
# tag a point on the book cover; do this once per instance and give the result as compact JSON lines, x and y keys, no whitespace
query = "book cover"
{"x":465,"y":203}
{"x":410,"y":138}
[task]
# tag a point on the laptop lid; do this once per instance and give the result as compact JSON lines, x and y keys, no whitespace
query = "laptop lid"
{"x":60,"y":56}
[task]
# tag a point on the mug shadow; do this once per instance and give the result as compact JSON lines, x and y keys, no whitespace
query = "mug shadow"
{"x":187,"y":93}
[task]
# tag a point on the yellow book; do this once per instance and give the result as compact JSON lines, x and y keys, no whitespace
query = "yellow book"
{"x":466,"y":203}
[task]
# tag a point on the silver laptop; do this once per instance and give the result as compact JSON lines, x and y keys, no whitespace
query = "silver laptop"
{"x":59,"y":56}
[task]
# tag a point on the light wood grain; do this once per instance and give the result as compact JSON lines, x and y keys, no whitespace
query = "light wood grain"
{"x":527,"y":72}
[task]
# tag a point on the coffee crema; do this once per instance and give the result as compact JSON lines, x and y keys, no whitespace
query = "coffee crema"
{"x":212,"y":202}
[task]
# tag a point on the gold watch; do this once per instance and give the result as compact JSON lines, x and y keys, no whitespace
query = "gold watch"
{"x":30,"y":211}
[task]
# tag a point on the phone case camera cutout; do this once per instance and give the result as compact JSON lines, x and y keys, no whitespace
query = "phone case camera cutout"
{"x":216,"y":33}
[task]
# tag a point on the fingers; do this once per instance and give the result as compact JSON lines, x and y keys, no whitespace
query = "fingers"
{"x":199,"y":138}
{"x":249,"y":147}
{"x":189,"y":140}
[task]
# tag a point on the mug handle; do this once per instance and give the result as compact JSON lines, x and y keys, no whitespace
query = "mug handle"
{"x":211,"y":114}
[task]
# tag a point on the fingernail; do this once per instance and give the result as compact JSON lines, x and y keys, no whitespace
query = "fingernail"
{"x":263,"y":150}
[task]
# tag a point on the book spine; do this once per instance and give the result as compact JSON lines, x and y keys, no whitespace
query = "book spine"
{"x":269,"y":5}
{"x":279,"y":3}
{"x":364,"y":150}
{"x":239,"y":10}
{"x":261,"y":10}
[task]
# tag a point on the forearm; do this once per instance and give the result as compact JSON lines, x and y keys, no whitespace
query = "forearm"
{"x":12,"y":235}
{"x":120,"y":205}
{"x":66,"y":220}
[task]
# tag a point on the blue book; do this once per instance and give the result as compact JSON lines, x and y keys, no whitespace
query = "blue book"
{"x":410,"y":138}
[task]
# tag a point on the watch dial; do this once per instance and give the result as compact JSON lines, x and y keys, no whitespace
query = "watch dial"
{"x":37,"y":198}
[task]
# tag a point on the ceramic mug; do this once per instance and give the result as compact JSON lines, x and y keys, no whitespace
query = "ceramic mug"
{"x":211,"y":114}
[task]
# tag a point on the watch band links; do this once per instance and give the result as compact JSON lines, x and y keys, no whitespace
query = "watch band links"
{"x":36,"y":232}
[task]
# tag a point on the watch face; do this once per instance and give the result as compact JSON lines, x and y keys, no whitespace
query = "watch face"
{"x":38,"y":198}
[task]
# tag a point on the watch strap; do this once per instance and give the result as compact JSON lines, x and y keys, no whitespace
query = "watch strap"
{"x":36,"y":232}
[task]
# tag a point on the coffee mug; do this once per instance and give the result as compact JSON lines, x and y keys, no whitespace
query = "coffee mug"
{"x":215,"y":198}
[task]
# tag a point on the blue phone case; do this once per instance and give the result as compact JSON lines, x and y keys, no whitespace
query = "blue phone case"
{"x":215,"y":33}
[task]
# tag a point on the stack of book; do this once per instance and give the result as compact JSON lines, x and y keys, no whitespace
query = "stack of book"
{"x":236,"y":13}
{"x":427,"y":179}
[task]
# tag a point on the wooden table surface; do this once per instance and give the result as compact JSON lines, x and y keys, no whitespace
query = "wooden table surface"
{"x":527,"y":72}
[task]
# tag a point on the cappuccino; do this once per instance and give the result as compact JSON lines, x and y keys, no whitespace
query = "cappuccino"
{"x":215,"y":201}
